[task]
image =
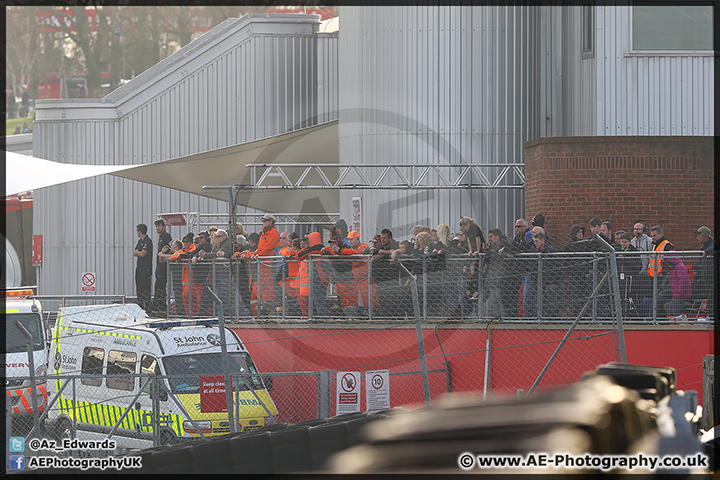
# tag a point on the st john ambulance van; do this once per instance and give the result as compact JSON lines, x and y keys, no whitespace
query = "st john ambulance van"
{"x":98,"y":353}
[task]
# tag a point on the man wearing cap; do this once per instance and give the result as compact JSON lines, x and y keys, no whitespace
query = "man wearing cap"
{"x":707,"y":243}
{"x":216,"y":276}
{"x":267,"y":243}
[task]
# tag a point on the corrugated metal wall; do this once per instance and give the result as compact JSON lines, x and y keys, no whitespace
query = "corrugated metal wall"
{"x":618,"y":91}
{"x":445,"y":84}
{"x":649,"y":93}
{"x":246,"y":79}
{"x":428,"y":85}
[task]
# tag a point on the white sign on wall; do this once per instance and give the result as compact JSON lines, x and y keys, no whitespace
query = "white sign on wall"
{"x":348,"y":393}
{"x":356,"y":212}
{"x":377,"y":390}
{"x":87,"y":282}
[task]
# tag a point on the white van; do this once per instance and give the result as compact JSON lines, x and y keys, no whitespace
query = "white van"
{"x":16,"y":361}
{"x":119,"y":340}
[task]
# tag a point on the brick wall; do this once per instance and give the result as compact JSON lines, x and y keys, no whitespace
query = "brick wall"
{"x":667,"y":181}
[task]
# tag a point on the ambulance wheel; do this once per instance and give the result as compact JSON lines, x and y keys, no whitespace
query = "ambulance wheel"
{"x":63,"y":429}
{"x":168,"y":438}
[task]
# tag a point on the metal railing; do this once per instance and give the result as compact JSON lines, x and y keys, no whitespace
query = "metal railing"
{"x":530,"y":287}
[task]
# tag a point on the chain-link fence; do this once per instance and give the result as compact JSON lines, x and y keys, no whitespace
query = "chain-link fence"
{"x":432,"y":324}
{"x":527,"y":287}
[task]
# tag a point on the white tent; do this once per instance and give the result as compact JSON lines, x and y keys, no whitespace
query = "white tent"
{"x":24,"y":173}
{"x":227,"y":166}
{"x":222,"y":167}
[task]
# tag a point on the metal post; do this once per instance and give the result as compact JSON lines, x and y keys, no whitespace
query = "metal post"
{"x":424,"y":280}
{"x":539,"y":289}
{"x":225,"y":363}
{"x":370,"y":289}
{"x":156,"y":409}
{"x":311,"y":289}
{"x":190,"y":288}
{"x":8,"y":429}
{"x":487,"y":361}
{"x":33,"y":385}
{"x":478,"y":301}
{"x":325,"y":388}
{"x":418,"y":330}
{"x":594,"y":278}
{"x":615,"y":285}
{"x":654,"y":289}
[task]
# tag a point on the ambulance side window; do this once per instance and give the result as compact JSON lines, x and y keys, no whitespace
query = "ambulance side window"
{"x":92,"y":364}
{"x":121,"y":363}
{"x":149,"y":365}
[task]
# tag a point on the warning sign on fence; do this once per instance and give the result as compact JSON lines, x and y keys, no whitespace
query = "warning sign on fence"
{"x":212,"y":394}
{"x":377,"y":390}
{"x":348,"y":393}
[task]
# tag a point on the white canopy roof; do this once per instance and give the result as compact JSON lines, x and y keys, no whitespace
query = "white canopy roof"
{"x":24,"y":173}
{"x":222,"y":167}
{"x":227,"y":166}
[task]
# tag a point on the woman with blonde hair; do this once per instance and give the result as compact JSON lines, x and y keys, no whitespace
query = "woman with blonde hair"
{"x":444,"y":235}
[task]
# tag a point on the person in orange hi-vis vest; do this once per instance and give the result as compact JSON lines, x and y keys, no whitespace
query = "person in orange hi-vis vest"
{"x":312,"y":251}
{"x":291,"y":267}
{"x":267,"y":244}
{"x":357,"y":284}
{"x":188,"y":288}
{"x":660,"y":244}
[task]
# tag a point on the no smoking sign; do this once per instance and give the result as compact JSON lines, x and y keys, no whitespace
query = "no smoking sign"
{"x":87,"y":282}
{"x":348,"y":393}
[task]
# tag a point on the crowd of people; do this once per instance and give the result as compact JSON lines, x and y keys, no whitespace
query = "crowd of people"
{"x":470,"y":274}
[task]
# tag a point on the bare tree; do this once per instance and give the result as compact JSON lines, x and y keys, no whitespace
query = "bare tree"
{"x":89,"y":44}
{"x":23,"y":54}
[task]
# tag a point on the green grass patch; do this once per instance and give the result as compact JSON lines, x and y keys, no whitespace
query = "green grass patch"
{"x":11,"y":123}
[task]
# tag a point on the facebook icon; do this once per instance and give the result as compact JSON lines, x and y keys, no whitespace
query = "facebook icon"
{"x":17,"y":462}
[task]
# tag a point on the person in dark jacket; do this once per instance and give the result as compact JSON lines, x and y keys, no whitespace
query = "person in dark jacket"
{"x":704,"y":269}
{"x":575,"y":267}
{"x":545,"y":276}
{"x":341,"y":230}
{"x":629,"y":265}
{"x":163,"y":246}
{"x":495,"y":277}
{"x":217,"y":276}
{"x":520,"y":243}
{"x":143,"y":273}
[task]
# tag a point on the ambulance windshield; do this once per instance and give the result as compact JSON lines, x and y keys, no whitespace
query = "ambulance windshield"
{"x":15,"y":341}
{"x":184,"y":371}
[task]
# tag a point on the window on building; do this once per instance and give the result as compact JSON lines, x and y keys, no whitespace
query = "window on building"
{"x":92,"y":364}
{"x":121,"y":363}
{"x":672,"y":27}
{"x":587,"y":30}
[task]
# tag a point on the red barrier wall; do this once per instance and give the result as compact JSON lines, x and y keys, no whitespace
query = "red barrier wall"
{"x":517,"y":356}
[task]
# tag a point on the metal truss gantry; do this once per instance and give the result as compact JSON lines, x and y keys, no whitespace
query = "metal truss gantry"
{"x":387,"y":176}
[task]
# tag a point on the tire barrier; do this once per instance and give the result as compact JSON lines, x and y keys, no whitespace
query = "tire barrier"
{"x":615,"y":410}
{"x":277,"y":448}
